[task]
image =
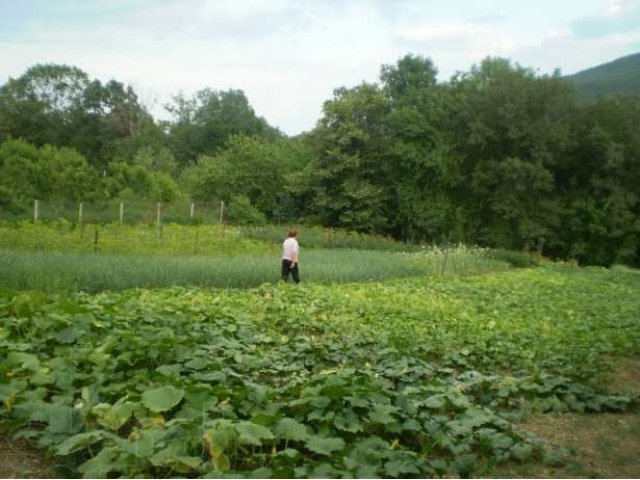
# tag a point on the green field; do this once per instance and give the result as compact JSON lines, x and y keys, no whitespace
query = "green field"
{"x":61,"y":256}
{"x":429,"y":374}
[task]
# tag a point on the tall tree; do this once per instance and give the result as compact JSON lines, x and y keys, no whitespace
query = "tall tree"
{"x":203,"y":122}
{"x":40,"y":106}
{"x":422,"y":166}
{"x":59,"y":105}
{"x":599,"y":185}
{"x":509,"y":125}
{"x":113,"y":124}
{"x":349,"y":181}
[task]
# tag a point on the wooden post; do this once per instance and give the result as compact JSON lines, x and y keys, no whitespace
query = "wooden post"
{"x":80,"y":213}
{"x":95,"y":242}
{"x":191,"y":210}
{"x":222,"y":216}
{"x":158,"y":224}
{"x":121,"y":212}
{"x":446,"y":256}
{"x":35,"y":210}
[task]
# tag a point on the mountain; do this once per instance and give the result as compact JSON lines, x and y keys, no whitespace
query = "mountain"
{"x":619,"y":77}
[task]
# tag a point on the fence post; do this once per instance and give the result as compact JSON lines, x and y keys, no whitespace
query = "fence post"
{"x":80,"y":213}
{"x":35,"y":210}
{"x":95,"y":242}
{"x":222,"y":216}
{"x":121,"y":212}
{"x":158,"y":224}
{"x":191,"y":210}
{"x":446,"y":256}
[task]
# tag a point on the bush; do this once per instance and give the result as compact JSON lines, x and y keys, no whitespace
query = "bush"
{"x":241,"y":212}
{"x":515,"y":259}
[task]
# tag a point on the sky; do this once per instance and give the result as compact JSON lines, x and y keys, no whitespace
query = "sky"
{"x":288,"y":56}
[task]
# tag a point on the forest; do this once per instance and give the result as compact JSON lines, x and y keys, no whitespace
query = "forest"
{"x":498,"y":156}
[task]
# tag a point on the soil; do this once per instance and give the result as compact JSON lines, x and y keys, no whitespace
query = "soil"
{"x":18,"y":460}
{"x":593,"y":445}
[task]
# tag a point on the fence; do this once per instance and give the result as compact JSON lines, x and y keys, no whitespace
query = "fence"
{"x":124,"y":212}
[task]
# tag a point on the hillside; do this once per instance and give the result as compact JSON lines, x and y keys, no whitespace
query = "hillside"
{"x":619,"y":77}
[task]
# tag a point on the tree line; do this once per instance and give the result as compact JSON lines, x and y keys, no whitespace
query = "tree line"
{"x":498,"y":156}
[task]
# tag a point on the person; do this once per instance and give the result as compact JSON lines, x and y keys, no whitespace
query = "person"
{"x":290,"y":252}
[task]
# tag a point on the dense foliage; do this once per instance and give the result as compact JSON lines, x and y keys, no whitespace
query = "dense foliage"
{"x":316,"y":380}
{"x":498,"y":156}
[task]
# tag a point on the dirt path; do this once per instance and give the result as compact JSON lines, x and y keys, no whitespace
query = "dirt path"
{"x":17,"y":460}
{"x":595,"y":445}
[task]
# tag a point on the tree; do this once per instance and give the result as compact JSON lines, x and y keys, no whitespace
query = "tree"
{"x":158,"y":159}
{"x":46,"y":173}
{"x":41,"y":105}
{"x":349,"y":181}
{"x":203,"y":123}
{"x":511,"y":129}
{"x":599,"y":185}
{"x":423,"y":168}
{"x":252,"y":167}
{"x":59,"y":105}
{"x":114,"y":125}
{"x":126,"y":180}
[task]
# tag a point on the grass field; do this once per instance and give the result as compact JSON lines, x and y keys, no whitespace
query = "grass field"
{"x":177,"y":239}
{"x":381,"y":364}
{"x":59,"y":257}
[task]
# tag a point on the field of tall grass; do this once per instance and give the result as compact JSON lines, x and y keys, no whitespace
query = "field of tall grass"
{"x":140,"y":239}
{"x":179,"y":239}
{"x":65,"y":272}
{"x":62,"y":256}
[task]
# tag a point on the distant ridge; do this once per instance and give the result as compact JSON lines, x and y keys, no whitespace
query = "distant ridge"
{"x":619,"y":77}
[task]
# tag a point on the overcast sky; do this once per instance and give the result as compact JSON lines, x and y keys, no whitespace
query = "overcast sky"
{"x":289,"y":55}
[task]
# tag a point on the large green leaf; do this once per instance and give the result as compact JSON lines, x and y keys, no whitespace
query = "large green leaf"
{"x":61,"y":418}
{"x":401,"y":467}
{"x":162,"y":399}
{"x":348,"y":421}
{"x":28,"y":361}
{"x":252,"y":433}
{"x":105,"y":462}
{"x":325,"y":445}
{"x":290,"y":429}
{"x":436,"y":401}
{"x":112,"y":416}
{"x":383,"y":414}
{"x":141,"y":445}
{"x":79,"y":442}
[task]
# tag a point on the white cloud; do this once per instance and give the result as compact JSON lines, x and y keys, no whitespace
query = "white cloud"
{"x":571,"y":54}
{"x":473,"y":38}
{"x":619,"y":7}
{"x":456,"y":46}
{"x":288,"y":56}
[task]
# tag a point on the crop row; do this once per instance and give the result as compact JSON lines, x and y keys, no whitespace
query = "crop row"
{"x":313,"y":380}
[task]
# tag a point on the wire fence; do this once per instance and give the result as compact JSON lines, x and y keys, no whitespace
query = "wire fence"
{"x":111,"y":226}
{"x":123,"y":212}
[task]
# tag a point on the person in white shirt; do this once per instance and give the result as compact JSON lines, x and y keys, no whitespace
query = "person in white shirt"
{"x":290,"y":251}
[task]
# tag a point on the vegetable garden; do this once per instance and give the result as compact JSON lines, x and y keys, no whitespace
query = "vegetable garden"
{"x":408,"y":377}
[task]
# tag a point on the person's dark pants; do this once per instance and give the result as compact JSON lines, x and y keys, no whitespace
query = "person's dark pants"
{"x":286,"y":270}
